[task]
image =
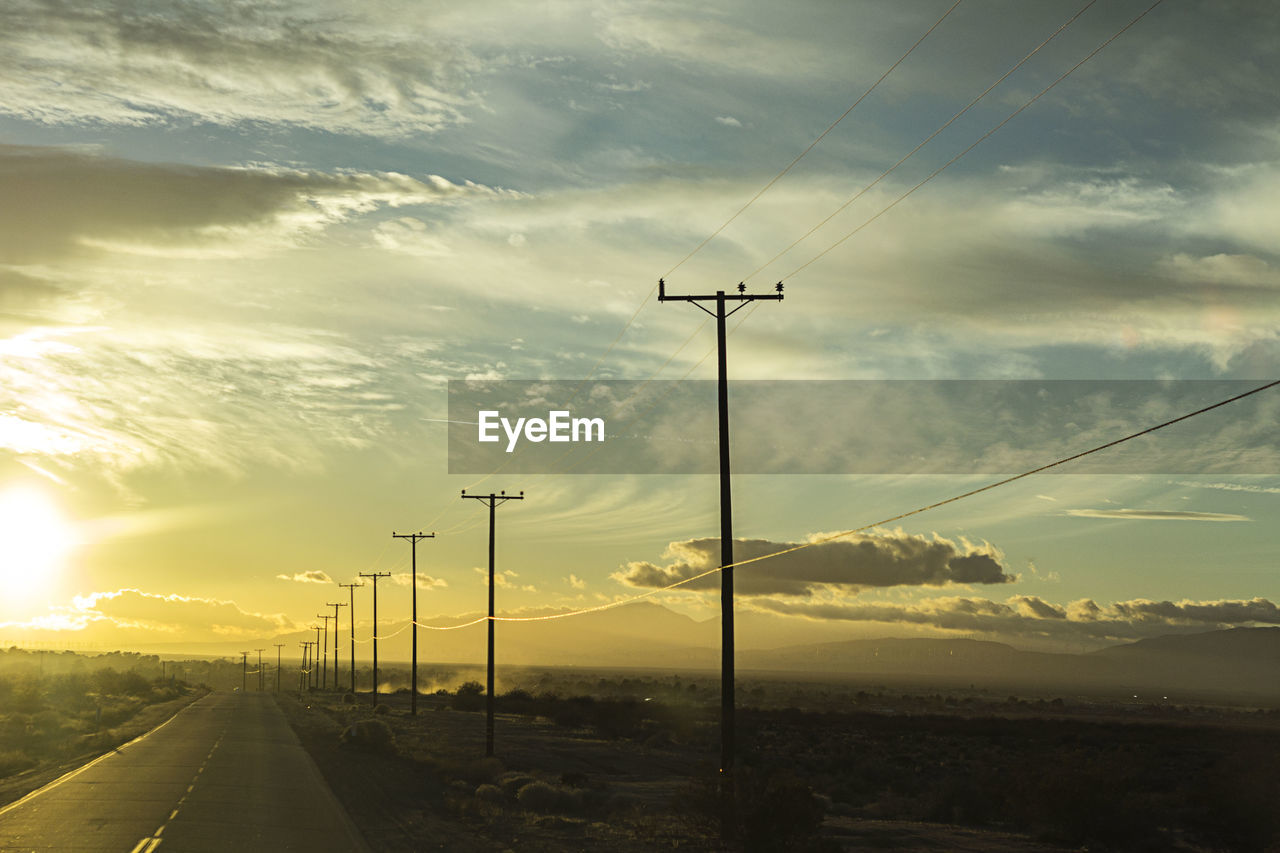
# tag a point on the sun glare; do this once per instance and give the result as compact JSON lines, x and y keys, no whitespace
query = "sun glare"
{"x":35,"y":540}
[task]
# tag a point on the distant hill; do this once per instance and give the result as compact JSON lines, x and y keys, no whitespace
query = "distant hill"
{"x":1243,"y":663}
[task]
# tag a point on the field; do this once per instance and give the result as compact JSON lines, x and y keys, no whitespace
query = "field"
{"x":626,"y":762}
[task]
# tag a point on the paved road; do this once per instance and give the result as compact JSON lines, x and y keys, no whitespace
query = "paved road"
{"x":225,"y":774}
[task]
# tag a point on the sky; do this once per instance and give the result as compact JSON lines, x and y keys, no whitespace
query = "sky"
{"x":245,"y":247}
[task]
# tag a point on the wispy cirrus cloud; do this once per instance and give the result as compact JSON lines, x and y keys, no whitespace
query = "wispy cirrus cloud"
{"x":1156,"y":515}
{"x":138,"y":62}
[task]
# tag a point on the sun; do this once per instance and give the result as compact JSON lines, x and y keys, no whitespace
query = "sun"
{"x":35,"y":540}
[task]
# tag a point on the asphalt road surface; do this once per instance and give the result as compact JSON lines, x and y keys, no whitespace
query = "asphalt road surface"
{"x":225,"y":774}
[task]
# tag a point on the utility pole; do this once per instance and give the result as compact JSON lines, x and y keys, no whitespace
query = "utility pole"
{"x":413,"y":542}
{"x":260,"y":678}
{"x":335,"y":640}
{"x":720,"y":298}
{"x":351,"y":587}
{"x":315,"y":659}
{"x":375,"y":576}
{"x":244,"y":671}
{"x":303,"y":672}
{"x":493,"y":501}
{"x":324,"y":649}
{"x":278,"y":646}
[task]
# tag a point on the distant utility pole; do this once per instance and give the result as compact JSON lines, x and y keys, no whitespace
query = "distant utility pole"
{"x":244,"y":671}
{"x":413,"y":543}
{"x":720,"y":298}
{"x":315,"y":659}
{"x":278,"y":646}
{"x":324,"y":649}
{"x":375,"y":576}
{"x":492,"y":500}
{"x":261,"y":685}
{"x":335,"y":640}
{"x":351,"y":587}
{"x":303,"y":672}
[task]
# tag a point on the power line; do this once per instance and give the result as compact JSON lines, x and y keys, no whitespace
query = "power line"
{"x":980,"y":140}
{"x":860,"y":193}
{"x":844,"y":533}
{"x":813,"y":144}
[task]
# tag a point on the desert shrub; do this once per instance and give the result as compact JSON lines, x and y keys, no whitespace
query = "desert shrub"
{"x":381,"y":710}
{"x":369,"y":735}
{"x":546,"y":798}
{"x":476,"y":772}
{"x":770,"y":810}
{"x":511,"y":783}
{"x":348,"y":698}
{"x":469,"y":696}
{"x":491,"y":794}
{"x":14,"y":761}
{"x":575,"y":712}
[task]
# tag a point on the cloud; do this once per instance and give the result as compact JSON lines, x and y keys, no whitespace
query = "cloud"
{"x":313,"y":576}
{"x":64,"y":201}
{"x":126,"y":615}
{"x":424,"y":581}
{"x":1251,"y":488}
{"x":140,"y":62}
{"x":1028,"y":615}
{"x":575,"y":582}
{"x":728,"y":121}
{"x":881,"y":559}
{"x":1156,"y":515}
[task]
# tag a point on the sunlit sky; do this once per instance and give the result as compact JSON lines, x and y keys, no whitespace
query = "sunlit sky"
{"x":244,"y":247}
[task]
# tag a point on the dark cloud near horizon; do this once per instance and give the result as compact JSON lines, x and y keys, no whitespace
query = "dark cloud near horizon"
{"x":1028,"y":615}
{"x":882,"y":559}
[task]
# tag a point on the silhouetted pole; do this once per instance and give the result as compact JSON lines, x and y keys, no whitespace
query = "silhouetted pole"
{"x":324,"y":667}
{"x":278,"y":646}
{"x":335,"y":640}
{"x":375,"y":576}
{"x":727,"y":737}
{"x":244,"y":672}
{"x":261,"y":683}
{"x":351,"y":587}
{"x":315,"y":659}
{"x":492,"y":500}
{"x":302,"y":673}
{"x":413,"y":543}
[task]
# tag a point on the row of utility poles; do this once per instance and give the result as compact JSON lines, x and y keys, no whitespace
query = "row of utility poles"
{"x":319,"y":650}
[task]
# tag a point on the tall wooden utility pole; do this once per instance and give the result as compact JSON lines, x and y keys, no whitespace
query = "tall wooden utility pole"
{"x":413,"y":543}
{"x":492,"y":500}
{"x":278,"y":646}
{"x":335,"y":639}
{"x":375,"y":576}
{"x":720,"y":298}
{"x":351,"y":588}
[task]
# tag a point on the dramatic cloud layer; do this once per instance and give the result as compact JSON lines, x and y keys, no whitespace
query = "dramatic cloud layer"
{"x":863,"y":560}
